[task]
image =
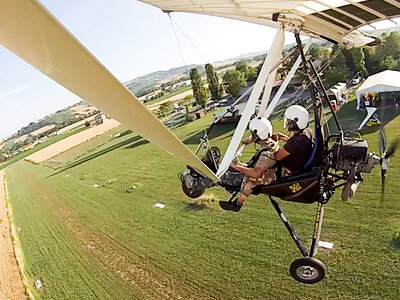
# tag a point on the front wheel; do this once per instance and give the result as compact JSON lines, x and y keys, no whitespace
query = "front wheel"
{"x":193,"y":192}
{"x":307,"y":270}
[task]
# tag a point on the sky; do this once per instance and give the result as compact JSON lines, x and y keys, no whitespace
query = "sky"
{"x":131,"y":39}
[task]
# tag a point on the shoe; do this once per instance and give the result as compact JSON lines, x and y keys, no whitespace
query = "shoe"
{"x":230,"y":205}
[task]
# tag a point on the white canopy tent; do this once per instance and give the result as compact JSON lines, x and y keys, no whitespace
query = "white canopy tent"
{"x":385,"y":81}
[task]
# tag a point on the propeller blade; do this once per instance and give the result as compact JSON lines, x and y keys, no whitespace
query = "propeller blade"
{"x":383,"y":179}
{"x":382,"y":141}
{"x":392,"y":149}
{"x":28,"y":30}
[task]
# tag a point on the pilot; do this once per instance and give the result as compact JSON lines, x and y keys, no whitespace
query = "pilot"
{"x":292,"y":156}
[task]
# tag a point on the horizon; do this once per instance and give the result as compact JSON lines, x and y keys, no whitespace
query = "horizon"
{"x":126,"y":37}
{"x":164,"y":70}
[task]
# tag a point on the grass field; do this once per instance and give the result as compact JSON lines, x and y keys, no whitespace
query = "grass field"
{"x":87,"y":233}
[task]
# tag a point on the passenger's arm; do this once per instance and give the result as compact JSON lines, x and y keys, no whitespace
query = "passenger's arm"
{"x":256,"y":172}
{"x":282,"y":137}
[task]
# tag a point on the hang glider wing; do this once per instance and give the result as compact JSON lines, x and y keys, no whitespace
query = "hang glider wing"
{"x":335,"y":20}
{"x":28,"y":30}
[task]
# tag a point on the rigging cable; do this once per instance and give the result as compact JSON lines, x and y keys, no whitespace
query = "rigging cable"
{"x":190,"y":41}
{"x":177,"y":40}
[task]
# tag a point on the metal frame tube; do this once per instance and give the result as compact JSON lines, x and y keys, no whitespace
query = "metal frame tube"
{"x":273,"y":56}
{"x":317,"y":229}
{"x":287,"y":80}
{"x":289,"y":228}
{"x":267,"y":93}
{"x":321,"y":86}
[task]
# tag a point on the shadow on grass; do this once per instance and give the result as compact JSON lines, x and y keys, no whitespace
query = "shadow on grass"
{"x":350,"y":118}
{"x":128,"y":143}
{"x":217,"y":131}
{"x":385,"y":115}
{"x":395,"y":243}
{"x":192,"y":207}
{"x":137,"y":144}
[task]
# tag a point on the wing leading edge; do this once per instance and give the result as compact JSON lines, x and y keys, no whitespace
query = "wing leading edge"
{"x":28,"y":30}
{"x":337,"y":21}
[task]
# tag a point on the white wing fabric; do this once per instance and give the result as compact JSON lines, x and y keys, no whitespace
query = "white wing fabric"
{"x":336,"y":20}
{"x":28,"y":30}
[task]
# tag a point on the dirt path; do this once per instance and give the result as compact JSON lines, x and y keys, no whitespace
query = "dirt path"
{"x":72,"y":141}
{"x":10,"y":279}
{"x":170,"y":99}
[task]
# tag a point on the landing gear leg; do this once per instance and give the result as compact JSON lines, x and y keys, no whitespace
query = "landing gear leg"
{"x":306,"y":269}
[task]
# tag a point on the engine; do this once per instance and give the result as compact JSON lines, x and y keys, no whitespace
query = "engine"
{"x":351,"y":156}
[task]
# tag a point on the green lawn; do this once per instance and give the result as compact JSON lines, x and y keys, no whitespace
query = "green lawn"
{"x":109,"y":242}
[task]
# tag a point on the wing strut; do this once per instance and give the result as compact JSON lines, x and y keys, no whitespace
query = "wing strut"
{"x":267,"y":92}
{"x":272,"y":57}
{"x":286,"y":82}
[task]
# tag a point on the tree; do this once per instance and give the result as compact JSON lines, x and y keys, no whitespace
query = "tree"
{"x":336,"y":73}
{"x":389,"y":63}
{"x":252,"y":74}
{"x":371,"y":62}
{"x":241,"y":66}
{"x":199,"y":90}
{"x":392,"y":46}
{"x":234,"y":81}
{"x":164,"y":108}
{"x":358,"y":57}
{"x":213,"y":83}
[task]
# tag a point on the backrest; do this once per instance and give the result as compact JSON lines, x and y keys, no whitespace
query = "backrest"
{"x":318,"y":147}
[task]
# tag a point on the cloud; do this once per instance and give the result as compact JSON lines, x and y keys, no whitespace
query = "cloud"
{"x":7,"y":94}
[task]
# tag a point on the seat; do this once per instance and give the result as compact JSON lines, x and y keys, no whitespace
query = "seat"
{"x":301,"y":188}
{"x":304,"y":185}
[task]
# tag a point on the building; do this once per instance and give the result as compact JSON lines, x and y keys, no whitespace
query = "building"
{"x":99,"y":118}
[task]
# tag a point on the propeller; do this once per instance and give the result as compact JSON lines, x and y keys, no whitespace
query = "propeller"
{"x":385,"y":155}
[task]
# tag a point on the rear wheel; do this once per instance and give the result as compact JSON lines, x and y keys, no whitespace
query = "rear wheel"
{"x":307,"y":270}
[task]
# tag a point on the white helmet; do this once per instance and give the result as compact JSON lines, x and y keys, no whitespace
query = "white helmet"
{"x":298,"y":114}
{"x":261,"y":127}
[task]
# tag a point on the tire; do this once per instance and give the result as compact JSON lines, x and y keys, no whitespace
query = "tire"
{"x":192,"y":193}
{"x":307,"y":270}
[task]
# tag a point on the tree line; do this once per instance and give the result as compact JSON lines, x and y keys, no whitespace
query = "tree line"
{"x":343,"y":65}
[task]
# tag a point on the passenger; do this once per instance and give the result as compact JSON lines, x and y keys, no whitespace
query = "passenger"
{"x":292,"y":156}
